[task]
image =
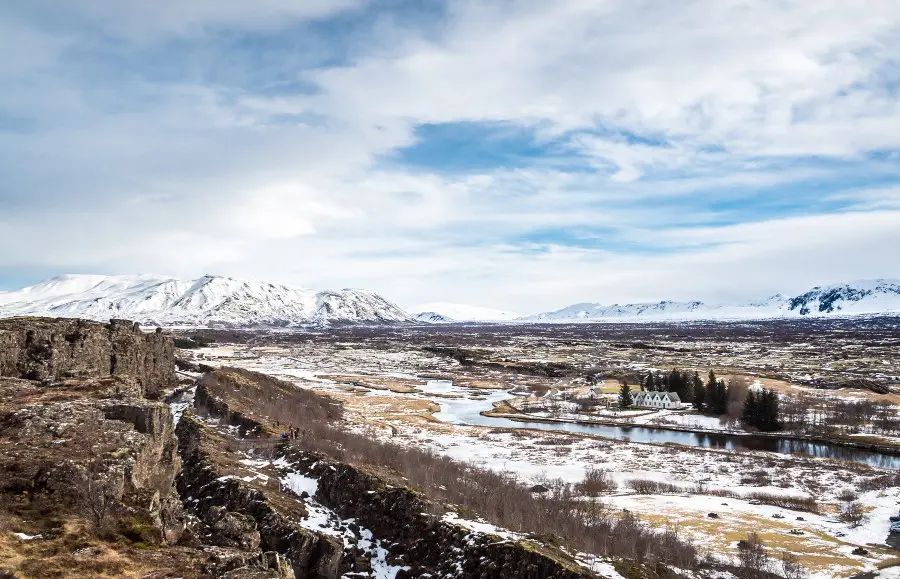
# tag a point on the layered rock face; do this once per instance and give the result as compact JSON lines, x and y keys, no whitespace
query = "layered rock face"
{"x":82,"y":451}
{"x":108,"y":459}
{"x":46,"y":349}
{"x":248,"y":514}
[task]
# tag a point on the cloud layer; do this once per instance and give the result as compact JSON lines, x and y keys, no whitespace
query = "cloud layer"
{"x":520,"y":155}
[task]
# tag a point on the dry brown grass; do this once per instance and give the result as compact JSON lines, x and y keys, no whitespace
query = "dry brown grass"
{"x":72,"y":551}
{"x":818,"y":552}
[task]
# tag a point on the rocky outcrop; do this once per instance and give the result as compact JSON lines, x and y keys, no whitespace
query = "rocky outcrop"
{"x":235,"y":512}
{"x":207,"y":402}
{"x":49,"y":350}
{"x":427,"y":544}
{"x":83,"y":453}
{"x":109,"y":460}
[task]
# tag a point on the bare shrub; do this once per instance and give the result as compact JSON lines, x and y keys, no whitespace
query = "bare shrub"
{"x":807,"y":504}
{"x":792,"y":502}
{"x":852,"y":513}
{"x":757,"y":478}
{"x":653,"y":487}
{"x":99,"y":489}
{"x":791,"y":567}
{"x":737,"y":394}
{"x":596,"y":482}
{"x":753,"y":561}
{"x":880,"y":482}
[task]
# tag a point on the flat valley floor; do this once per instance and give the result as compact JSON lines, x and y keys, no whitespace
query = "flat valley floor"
{"x":428,"y":387}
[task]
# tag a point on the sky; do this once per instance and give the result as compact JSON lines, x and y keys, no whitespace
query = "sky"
{"x":522,"y":155}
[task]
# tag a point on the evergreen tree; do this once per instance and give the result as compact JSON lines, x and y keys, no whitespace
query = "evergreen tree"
{"x":720,"y":400}
{"x":761,"y":410}
{"x":768,"y":413}
{"x":715,"y":399}
{"x":699,"y":391}
{"x":750,"y":415}
{"x":679,"y":382}
{"x":711,"y":381}
{"x":625,"y":399}
{"x":649,"y":384}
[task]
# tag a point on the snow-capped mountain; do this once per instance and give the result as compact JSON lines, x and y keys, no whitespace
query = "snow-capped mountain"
{"x":866,"y":297}
{"x":432,"y":318}
{"x":206,"y":301}
{"x":444,"y":312}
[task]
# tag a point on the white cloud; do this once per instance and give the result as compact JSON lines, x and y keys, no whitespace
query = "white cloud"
{"x":164,"y":164}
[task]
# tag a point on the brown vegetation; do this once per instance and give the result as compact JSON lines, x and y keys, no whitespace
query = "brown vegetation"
{"x":499,"y":498}
{"x":653,"y":487}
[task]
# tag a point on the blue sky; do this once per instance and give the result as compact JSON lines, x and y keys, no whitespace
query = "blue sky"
{"x":519,"y":155}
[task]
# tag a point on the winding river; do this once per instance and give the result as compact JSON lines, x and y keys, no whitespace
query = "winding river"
{"x":459,"y":406}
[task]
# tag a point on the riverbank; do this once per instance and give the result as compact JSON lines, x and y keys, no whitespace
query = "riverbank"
{"x":502,"y":411}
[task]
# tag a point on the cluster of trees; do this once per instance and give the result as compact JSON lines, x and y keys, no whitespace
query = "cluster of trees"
{"x":732,"y":399}
{"x":805,"y":413}
{"x":761,"y":410}
{"x":714,"y":396}
{"x":736,"y":401}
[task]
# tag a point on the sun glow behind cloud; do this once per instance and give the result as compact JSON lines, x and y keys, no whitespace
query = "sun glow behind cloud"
{"x":520,"y":155}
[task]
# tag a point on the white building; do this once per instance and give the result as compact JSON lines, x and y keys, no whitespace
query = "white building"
{"x":656,"y":400}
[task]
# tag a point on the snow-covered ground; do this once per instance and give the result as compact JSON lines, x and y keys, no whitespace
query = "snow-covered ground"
{"x":543,"y":456}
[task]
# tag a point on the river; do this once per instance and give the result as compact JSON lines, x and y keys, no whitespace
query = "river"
{"x":460,"y":406}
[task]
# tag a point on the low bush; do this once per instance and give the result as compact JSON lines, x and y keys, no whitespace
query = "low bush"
{"x":596,"y":482}
{"x":653,"y":487}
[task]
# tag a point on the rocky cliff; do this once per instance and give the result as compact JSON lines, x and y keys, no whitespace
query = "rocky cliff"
{"x":46,"y":349}
{"x":84,"y":456}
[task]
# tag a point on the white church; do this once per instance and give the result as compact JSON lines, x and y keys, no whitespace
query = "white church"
{"x":647,"y":399}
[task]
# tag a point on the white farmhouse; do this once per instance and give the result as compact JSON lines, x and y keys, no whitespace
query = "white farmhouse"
{"x":656,"y":400}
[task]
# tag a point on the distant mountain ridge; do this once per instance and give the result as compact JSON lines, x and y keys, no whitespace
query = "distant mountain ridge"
{"x":206,"y":301}
{"x":222,"y":301}
{"x":864,"y":297}
{"x":447,"y":312}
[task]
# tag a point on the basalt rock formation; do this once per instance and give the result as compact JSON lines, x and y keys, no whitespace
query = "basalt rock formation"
{"x":48,"y":350}
{"x":252,"y":513}
{"x":84,"y":456}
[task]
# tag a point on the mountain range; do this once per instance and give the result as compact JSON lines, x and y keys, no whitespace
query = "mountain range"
{"x":864,"y":297}
{"x":223,"y":301}
{"x":206,"y":301}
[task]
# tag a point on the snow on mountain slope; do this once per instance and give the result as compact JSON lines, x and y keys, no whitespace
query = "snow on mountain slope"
{"x":432,"y":318}
{"x":859,"y":297}
{"x":209,"y":300}
{"x":847,"y":299}
{"x":463,"y":313}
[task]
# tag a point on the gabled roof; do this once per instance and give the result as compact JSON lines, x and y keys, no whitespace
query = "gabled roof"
{"x":670,"y":396}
